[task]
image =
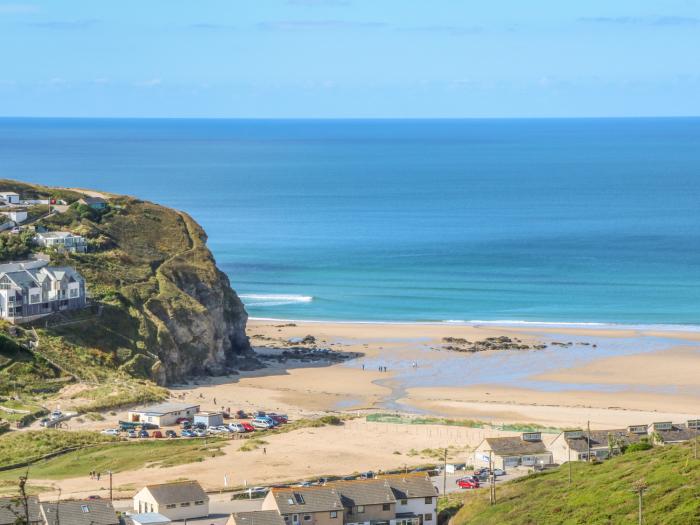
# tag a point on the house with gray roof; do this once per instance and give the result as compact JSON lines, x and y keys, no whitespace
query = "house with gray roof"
{"x":416,"y":498}
{"x":79,"y":512}
{"x":176,"y":501}
{"x":573,"y":445}
{"x":13,"y":508}
{"x":96,"y":203}
{"x":366,"y":500}
{"x":668,"y":433}
{"x":317,"y":505}
{"x":30,"y":290}
{"x":258,"y":517}
{"x":506,"y":452}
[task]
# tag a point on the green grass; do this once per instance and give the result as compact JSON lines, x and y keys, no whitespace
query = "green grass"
{"x":600,"y":493}
{"x":470,"y":423}
{"x":16,"y":447}
{"x":252,"y":444}
{"x":121,"y":457}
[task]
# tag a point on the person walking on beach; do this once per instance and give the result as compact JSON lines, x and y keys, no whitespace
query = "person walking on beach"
{"x":363,"y":366}
{"x":264,"y":451}
{"x":98,"y":476}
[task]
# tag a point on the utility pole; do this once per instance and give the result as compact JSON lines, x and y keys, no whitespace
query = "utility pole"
{"x":110,"y":485}
{"x":569,"y":462}
{"x":492,"y":484}
{"x":695,"y":441}
{"x":444,"y":475}
{"x":588,"y":439}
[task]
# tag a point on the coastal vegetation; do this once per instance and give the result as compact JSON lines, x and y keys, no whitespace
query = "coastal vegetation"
{"x":160,"y":309}
{"x":599,"y":492}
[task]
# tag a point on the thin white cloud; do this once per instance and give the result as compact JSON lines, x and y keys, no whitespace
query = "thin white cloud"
{"x":642,"y":20}
{"x":19,"y":8}
{"x":149,"y":83}
{"x":445,"y":29}
{"x":320,"y":25}
{"x":67,"y":25}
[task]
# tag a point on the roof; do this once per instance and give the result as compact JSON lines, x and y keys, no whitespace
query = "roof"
{"x":80,"y":512}
{"x":22,"y":265}
{"x":414,"y":485}
{"x":306,"y":499}
{"x":514,"y":446}
{"x":177,"y":492}
{"x":145,"y":518}
{"x":258,"y":517}
{"x":163,"y":408}
{"x":364,"y":492}
{"x":11,"y":509}
{"x":599,"y":439}
{"x":93,"y":200}
{"x":55,"y":235}
{"x":677,"y":433}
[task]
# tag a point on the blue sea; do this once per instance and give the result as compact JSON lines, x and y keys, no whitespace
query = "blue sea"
{"x":558,"y":221}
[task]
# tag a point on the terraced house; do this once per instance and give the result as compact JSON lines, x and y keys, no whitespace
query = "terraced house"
{"x":32,"y":289}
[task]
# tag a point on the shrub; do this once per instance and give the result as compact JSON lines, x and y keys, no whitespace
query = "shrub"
{"x":331,"y":420}
{"x":636,"y":447}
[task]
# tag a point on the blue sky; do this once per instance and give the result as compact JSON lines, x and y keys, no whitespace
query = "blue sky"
{"x":349,"y":58}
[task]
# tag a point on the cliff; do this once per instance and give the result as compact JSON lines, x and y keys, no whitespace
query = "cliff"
{"x":162,"y":310}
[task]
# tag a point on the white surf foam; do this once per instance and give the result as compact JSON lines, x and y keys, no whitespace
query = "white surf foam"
{"x":262,"y":299}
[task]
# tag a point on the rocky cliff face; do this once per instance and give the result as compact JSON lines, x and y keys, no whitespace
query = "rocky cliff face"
{"x":200,"y":322}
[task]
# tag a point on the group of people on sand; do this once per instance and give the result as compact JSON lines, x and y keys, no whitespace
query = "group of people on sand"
{"x":95,"y":475}
{"x":414,"y":364}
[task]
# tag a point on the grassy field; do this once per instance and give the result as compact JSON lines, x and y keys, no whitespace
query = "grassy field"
{"x":16,"y":447}
{"x":120,"y":457}
{"x":599,"y":494}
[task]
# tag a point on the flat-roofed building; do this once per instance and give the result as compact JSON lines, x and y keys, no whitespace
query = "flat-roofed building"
{"x":162,"y":414}
{"x":61,"y":241}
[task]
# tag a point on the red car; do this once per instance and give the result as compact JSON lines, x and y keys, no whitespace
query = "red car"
{"x":182,"y":420}
{"x":248,"y":427}
{"x":468,"y":483}
{"x":157,"y":434}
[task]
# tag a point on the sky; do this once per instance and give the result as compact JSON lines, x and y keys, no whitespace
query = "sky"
{"x":349,"y":58}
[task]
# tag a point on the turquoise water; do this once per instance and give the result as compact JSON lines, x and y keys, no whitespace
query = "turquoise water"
{"x":586,"y":220}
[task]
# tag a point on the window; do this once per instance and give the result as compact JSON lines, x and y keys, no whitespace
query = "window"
{"x":295,"y":518}
{"x":386,"y":506}
{"x":404,"y":502}
{"x":307,"y":517}
{"x":199,"y":502}
{"x":428,"y":500}
{"x":360,"y":509}
{"x":35,"y":298}
{"x":84,"y":508}
{"x":299,"y":498}
{"x":74,"y":293}
{"x":334,"y":514}
{"x":185,"y":504}
{"x":170,"y":506}
{"x":428,"y":517}
{"x":286,"y":518}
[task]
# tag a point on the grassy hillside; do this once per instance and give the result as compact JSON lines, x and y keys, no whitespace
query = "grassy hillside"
{"x":161,"y":310}
{"x":600,"y":493}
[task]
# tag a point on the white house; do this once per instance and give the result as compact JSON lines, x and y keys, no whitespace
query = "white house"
{"x":505,"y":452}
{"x":162,"y":414}
{"x":176,"y":501}
{"x":18,"y":216}
{"x":61,"y":240}
{"x":10,"y":197}
{"x":416,"y":497}
{"x":32,"y":289}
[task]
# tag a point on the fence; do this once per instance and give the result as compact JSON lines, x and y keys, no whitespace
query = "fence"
{"x":469,"y":423}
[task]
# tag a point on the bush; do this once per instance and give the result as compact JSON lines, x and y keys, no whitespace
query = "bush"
{"x":331,"y":420}
{"x":636,"y":447}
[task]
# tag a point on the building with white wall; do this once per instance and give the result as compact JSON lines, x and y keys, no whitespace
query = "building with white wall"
{"x":177,"y":501}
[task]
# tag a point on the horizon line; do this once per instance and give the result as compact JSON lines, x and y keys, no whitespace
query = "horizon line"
{"x":627,"y":117}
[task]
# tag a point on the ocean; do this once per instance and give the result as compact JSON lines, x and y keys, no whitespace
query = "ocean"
{"x":558,"y":221}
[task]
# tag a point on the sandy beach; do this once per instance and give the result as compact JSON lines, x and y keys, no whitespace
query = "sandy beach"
{"x":608,"y":377}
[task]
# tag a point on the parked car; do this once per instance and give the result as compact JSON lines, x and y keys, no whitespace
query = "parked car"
{"x":213,"y":430}
{"x":236,"y":427}
{"x":367,"y":475}
{"x":468,"y":483}
{"x":170,"y":434}
{"x":149,"y":426}
{"x":157,"y":434}
{"x":200,"y":426}
{"x":200,"y":433}
{"x":44,"y":421}
{"x":110,"y":432}
{"x":278,"y":418}
{"x":143,"y":433}
{"x":259,"y":413}
{"x":261,"y":423}
{"x":241,"y":414}
{"x":188,"y":434}
{"x":224,"y":429}
{"x":186,"y":425}
{"x":247,"y":426}
{"x":499,"y":472}
{"x":132,"y":434}
{"x":181,"y":420}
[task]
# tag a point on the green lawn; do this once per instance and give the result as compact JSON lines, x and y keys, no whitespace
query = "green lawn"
{"x":16,"y":447}
{"x":120,"y":457}
{"x":600,"y":493}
